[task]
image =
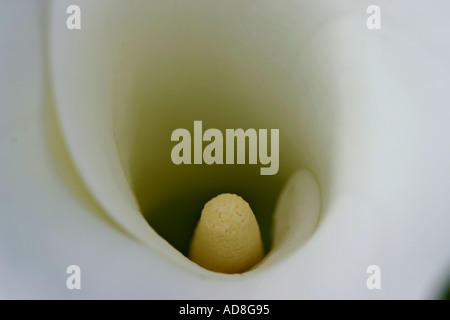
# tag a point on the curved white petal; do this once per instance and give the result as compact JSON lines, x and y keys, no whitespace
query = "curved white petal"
{"x":381,"y":155}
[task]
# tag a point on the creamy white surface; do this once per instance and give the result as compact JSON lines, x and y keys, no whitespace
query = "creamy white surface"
{"x":389,"y":205}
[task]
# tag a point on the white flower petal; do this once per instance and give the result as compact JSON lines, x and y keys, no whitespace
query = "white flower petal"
{"x":384,"y":170}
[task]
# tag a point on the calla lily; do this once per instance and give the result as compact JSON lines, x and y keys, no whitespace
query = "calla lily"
{"x":362,"y":114}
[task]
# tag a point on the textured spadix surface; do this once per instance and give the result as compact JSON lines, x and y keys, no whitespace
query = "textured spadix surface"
{"x":377,"y":131}
{"x":227,"y":237}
